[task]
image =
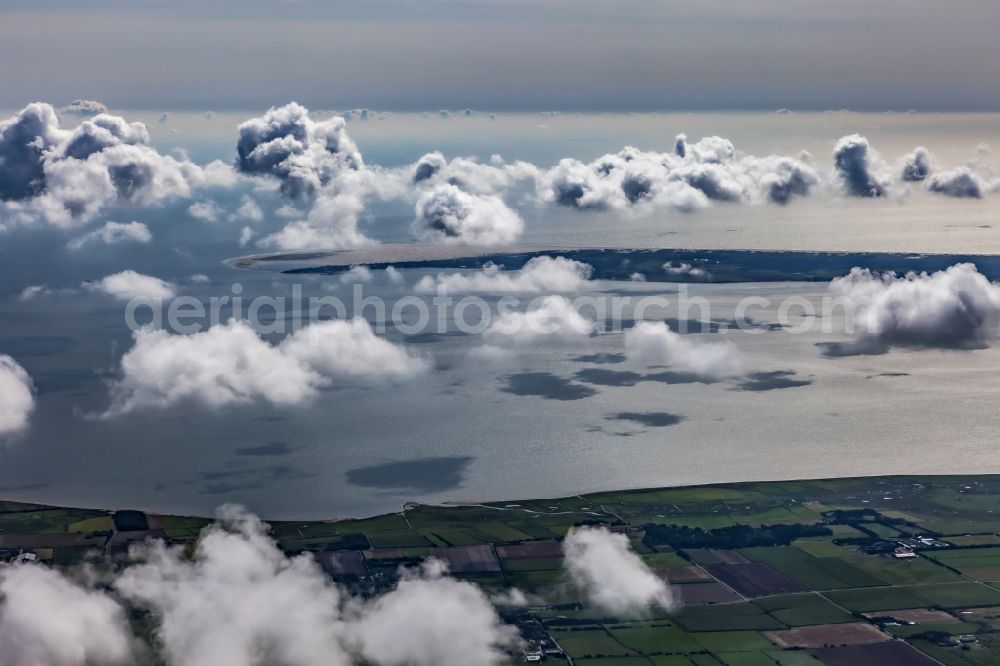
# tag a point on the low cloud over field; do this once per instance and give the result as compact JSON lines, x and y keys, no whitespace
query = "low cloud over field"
{"x":237,"y":599}
{"x":48,"y":619}
{"x":234,"y":597}
{"x":613,"y":578}
{"x":68,"y":176}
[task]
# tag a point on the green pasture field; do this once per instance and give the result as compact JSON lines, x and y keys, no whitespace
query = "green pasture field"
{"x":945,"y":595}
{"x":726,"y":617}
{"x":800,"y":610}
{"x":732,"y":641}
{"x":815,"y":573}
{"x":905,"y":572}
{"x":658,"y":638}
{"x":590,"y":643}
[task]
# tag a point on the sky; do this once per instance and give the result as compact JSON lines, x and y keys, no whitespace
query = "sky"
{"x":502,"y":56}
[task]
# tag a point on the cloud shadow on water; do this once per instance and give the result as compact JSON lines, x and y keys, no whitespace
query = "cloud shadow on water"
{"x":605,"y":377}
{"x":432,"y":337}
{"x":600,"y":358}
{"x":421,"y":475}
{"x":620,"y":378}
{"x":771,"y":381}
{"x":856,"y":348}
{"x":672,"y":377}
{"x":546,"y":385}
{"x":648,"y":419}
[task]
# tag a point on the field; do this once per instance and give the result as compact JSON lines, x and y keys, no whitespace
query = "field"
{"x":754,"y":579}
{"x":792,"y":573}
{"x":848,"y":633}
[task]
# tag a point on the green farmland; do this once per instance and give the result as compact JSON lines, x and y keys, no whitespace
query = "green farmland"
{"x":882,"y":571}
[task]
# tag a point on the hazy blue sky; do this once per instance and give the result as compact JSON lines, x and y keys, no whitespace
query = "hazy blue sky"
{"x":501,"y":55}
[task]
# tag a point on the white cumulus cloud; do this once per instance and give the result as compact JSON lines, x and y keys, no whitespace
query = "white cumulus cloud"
{"x":46,"y":619}
{"x":206,"y":211}
{"x":960,"y":182}
{"x":554,"y":319}
{"x":430,"y":619}
{"x":955,"y":307}
{"x":331,"y":223}
{"x":860,"y":167}
{"x":84,"y":107}
{"x":653,"y":343}
{"x":128,"y":285}
{"x":65,"y":177}
{"x":248,"y":210}
{"x":691,"y":177}
{"x":447,"y":214}
{"x":302,"y":153}
{"x":539,"y":275}
{"x":237,"y":600}
{"x":615,"y":579}
{"x":684,"y":269}
{"x":916,"y":165}
{"x":17,"y":396}
{"x":113,"y":233}
{"x":230,"y":364}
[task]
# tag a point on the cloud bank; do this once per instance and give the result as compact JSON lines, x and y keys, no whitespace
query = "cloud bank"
{"x":615,"y":579}
{"x":692,"y":177}
{"x":66,"y":177}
